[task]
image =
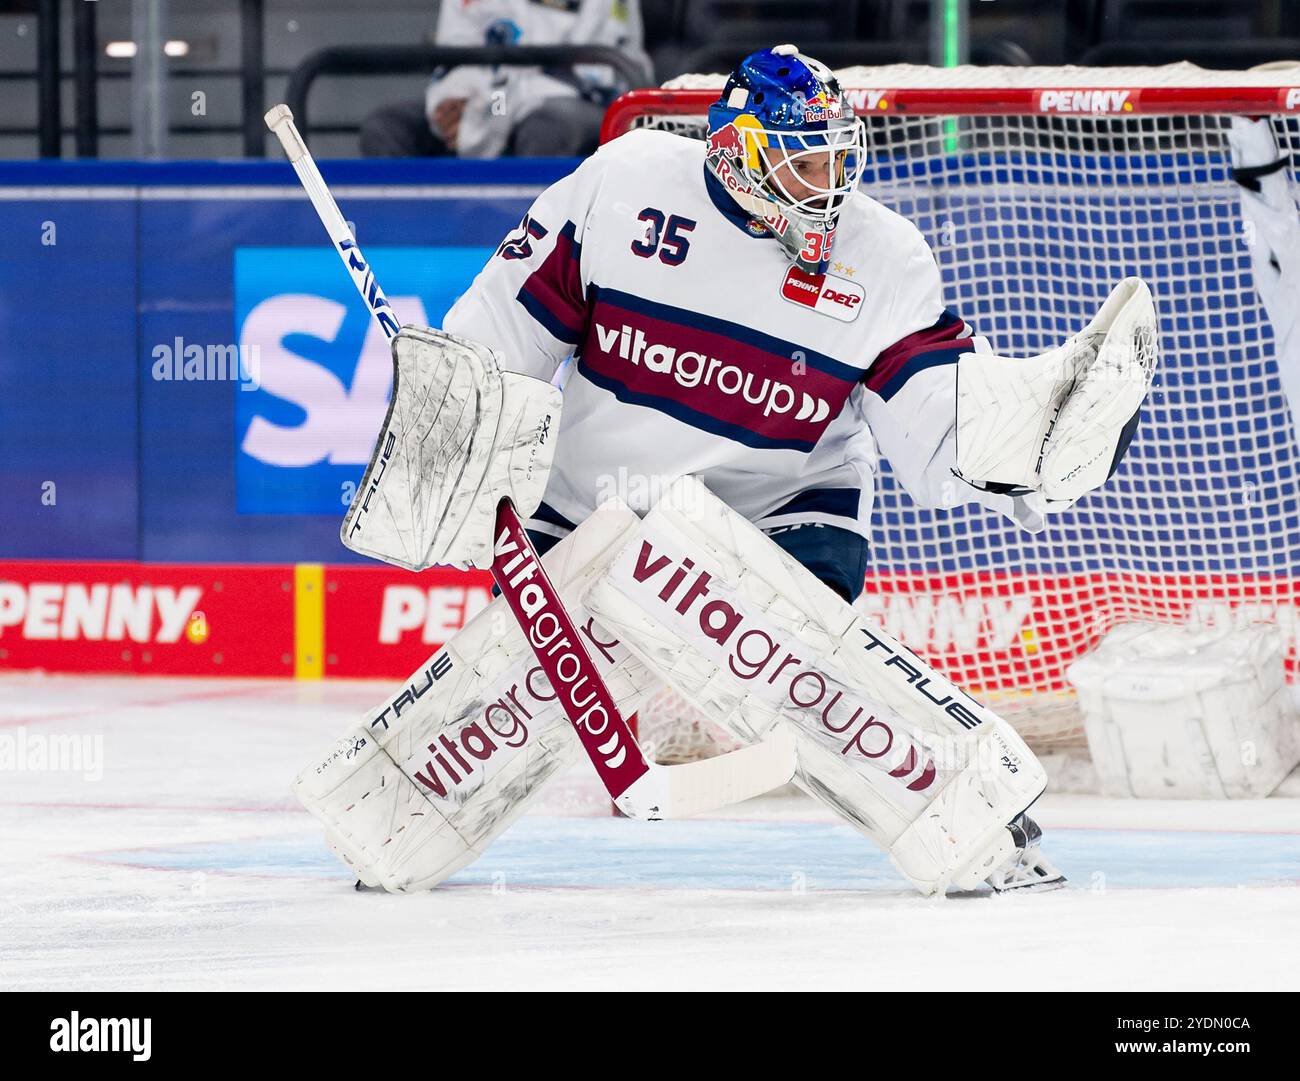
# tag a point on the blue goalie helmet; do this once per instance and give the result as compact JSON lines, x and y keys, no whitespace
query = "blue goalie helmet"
{"x":788,"y":149}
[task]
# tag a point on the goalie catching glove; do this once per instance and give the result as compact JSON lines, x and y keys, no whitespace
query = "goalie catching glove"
{"x":1054,"y":427}
{"x":460,"y":436}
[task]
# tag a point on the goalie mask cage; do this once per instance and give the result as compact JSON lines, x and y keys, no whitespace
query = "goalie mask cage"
{"x":1038,"y":190}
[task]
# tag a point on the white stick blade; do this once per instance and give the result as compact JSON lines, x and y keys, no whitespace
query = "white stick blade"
{"x":693,"y":788}
{"x":708,"y":785}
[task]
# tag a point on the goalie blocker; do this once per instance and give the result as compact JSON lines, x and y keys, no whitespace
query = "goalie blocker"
{"x":460,"y":436}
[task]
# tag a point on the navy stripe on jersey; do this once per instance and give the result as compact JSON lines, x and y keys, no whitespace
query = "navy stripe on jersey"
{"x":694,"y":417}
{"x":941,"y":343}
{"x":840,"y":502}
{"x":544,"y":315}
{"x":919,"y":362}
{"x":553,"y":293}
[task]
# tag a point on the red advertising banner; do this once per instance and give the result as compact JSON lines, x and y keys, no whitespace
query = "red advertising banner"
{"x":152,"y":618}
{"x":381,"y":622}
{"x":992,"y":633}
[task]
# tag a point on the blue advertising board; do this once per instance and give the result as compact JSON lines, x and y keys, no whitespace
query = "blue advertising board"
{"x":186,"y":372}
{"x":187,"y":375}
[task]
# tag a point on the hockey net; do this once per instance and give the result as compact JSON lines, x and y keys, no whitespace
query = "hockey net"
{"x":1038,"y":190}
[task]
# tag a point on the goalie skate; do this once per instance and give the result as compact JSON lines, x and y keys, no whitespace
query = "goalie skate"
{"x":1027,"y":869}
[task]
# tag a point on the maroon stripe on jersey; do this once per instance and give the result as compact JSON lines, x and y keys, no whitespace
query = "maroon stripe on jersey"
{"x":553,"y":293}
{"x":949,"y":334}
{"x":708,"y":379}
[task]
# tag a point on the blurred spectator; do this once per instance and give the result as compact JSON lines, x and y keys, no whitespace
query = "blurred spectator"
{"x":483,"y":112}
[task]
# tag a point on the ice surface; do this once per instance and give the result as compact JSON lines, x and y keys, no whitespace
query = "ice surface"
{"x":187,"y":864}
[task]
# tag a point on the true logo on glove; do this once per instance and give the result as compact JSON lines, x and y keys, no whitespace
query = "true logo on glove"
{"x":374,"y":480}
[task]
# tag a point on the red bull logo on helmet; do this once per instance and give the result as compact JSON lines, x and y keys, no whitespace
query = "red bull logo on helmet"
{"x":738,"y":141}
{"x":822,"y":106}
{"x":726,"y":141}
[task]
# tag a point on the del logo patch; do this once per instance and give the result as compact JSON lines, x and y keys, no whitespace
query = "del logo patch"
{"x":837,"y":297}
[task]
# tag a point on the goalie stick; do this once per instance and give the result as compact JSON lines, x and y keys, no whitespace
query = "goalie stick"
{"x":639,"y":789}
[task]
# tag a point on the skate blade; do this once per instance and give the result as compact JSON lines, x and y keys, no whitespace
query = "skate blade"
{"x":1041,"y":885}
{"x":1032,"y":873}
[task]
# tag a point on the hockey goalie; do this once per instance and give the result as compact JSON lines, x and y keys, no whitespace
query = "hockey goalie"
{"x":746,"y":329}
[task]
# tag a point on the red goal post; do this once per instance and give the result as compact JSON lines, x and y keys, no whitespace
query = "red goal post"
{"x":629,"y":109}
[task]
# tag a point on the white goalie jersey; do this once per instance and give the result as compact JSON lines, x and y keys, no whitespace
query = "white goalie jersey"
{"x":701,"y":350}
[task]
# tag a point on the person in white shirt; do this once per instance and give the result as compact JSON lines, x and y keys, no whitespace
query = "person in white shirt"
{"x":487,"y":112}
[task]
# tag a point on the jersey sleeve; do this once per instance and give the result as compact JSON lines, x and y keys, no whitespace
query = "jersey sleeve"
{"x":909,"y":396}
{"x":529,"y":303}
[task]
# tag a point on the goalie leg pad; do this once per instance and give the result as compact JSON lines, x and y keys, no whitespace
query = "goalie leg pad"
{"x":721,"y":613}
{"x":439,"y":770}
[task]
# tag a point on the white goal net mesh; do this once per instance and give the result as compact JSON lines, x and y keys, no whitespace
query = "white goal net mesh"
{"x":1034,"y":216}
